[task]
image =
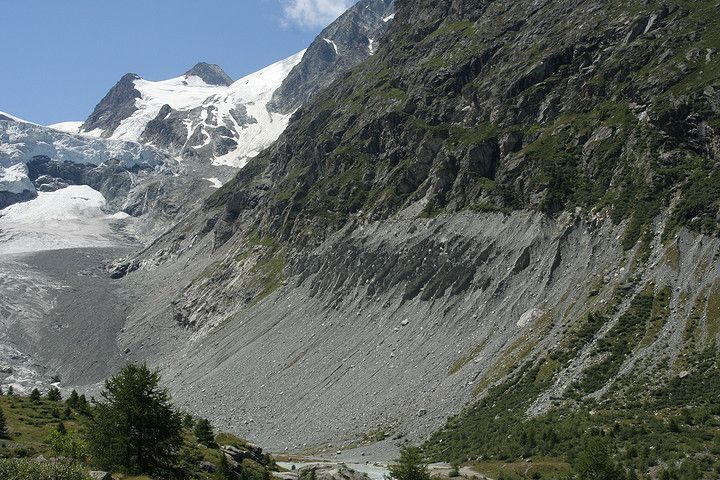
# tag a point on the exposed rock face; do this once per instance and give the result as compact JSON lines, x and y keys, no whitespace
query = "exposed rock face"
{"x":10,"y":198}
{"x":342,"y":45}
{"x":169,"y":131}
{"x":98,"y":475}
{"x":138,"y":190}
{"x":210,"y":73}
{"x":465,"y":121}
{"x":116,"y":106}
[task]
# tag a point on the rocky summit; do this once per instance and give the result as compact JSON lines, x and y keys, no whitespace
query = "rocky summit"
{"x":488,"y":228}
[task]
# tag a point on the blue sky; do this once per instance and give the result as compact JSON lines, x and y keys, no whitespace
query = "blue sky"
{"x":60,"y":57}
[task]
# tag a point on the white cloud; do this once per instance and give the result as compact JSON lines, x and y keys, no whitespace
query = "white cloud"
{"x":314,"y":13}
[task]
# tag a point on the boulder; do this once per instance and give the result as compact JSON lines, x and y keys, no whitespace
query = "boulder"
{"x":120,"y":270}
{"x":330,"y":472}
{"x":234,"y":453}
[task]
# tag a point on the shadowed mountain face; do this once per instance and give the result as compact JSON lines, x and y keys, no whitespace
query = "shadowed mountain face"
{"x":116,"y":106}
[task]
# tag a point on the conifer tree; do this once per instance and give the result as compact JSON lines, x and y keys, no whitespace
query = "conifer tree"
{"x":73,"y":399}
{"x":188,"y":421}
{"x":224,"y":471}
{"x":3,"y":425}
{"x":410,"y":466}
{"x":35,"y":396}
{"x":204,"y":432}
{"x":54,"y":395}
{"x":594,"y":462}
{"x":83,"y":407}
{"x":134,"y":428}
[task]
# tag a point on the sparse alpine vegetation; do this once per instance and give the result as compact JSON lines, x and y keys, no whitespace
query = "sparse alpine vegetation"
{"x":133,"y":431}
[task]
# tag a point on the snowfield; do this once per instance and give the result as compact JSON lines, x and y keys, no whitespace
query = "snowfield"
{"x":67,"y":127}
{"x":13,"y":118}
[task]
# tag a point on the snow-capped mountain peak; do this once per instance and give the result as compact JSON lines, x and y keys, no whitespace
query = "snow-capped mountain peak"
{"x":201,"y":113}
{"x":210,"y":73}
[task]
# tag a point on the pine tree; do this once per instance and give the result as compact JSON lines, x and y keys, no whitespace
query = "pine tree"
{"x":72,"y":400}
{"x":10,"y":391}
{"x":1,"y":391}
{"x":134,"y":428}
{"x":82,"y":406}
{"x":594,"y":462}
{"x":35,"y":396}
{"x":61,"y":428}
{"x":224,"y":471}
{"x":204,"y":432}
{"x":54,"y":395}
{"x":3,"y":425}
{"x":188,"y":421}
{"x":410,"y":466}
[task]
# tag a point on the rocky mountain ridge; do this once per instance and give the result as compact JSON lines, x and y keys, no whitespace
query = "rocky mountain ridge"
{"x":342,"y":45}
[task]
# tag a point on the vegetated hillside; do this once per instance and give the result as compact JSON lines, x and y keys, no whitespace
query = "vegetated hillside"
{"x":513,"y":203}
{"x":546,"y":105}
{"x":47,"y":438}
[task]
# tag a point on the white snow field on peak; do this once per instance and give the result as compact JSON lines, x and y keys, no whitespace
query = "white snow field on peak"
{"x":14,"y":118}
{"x":67,"y":127}
{"x":186,"y":93}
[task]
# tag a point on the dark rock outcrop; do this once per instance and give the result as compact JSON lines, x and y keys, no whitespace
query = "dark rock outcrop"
{"x":10,"y":198}
{"x":116,"y":106}
{"x":345,"y":43}
{"x":211,"y":74}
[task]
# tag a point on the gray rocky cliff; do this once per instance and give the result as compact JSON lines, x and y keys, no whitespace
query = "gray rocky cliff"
{"x":116,"y":106}
{"x":211,"y":74}
{"x":342,"y":45}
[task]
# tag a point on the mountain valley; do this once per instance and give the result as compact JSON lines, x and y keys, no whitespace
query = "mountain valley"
{"x":488,"y":228}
